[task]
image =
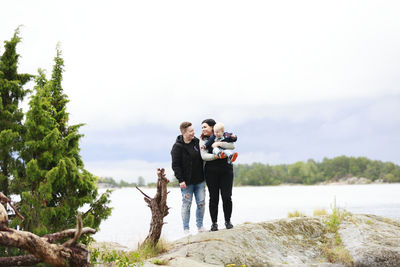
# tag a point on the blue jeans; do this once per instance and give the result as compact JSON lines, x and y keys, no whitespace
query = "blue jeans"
{"x":218,"y":150}
{"x":228,"y":152}
{"x":199,"y":191}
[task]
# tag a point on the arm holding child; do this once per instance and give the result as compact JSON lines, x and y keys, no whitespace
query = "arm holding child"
{"x":209,"y":142}
{"x":204,"y":152}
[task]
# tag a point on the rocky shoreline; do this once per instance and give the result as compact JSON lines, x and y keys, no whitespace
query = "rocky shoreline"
{"x":340,"y":181}
{"x":353,"y":180}
{"x":365,"y":240}
{"x":368,"y":240}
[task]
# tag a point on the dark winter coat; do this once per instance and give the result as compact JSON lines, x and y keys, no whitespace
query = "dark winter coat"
{"x":187,"y":163}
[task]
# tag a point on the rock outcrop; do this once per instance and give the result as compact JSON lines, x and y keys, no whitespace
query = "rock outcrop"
{"x":372,"y":240}
{"x":368,"y":240}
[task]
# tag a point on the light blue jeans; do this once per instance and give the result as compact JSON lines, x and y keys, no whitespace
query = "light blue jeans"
{"x":199,"y":191}
{"x":217,"y":151}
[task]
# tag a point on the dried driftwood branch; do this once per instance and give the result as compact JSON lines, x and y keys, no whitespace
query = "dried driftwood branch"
{"x":158,"y":206}
{"x":4,"y":199}
{"x":42,"y":248}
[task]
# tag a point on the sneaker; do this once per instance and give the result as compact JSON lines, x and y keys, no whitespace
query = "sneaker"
{"x":228,"y":225}
{"x":186,"y":232}
{"x":214,"y":227}
{"x":234,"y":156}
{"x":201,"y":229}
{"x":222,"y":155}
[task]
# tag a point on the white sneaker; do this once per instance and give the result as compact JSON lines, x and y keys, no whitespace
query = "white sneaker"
{"x":201,"y":229}
{"x":186,"y":232}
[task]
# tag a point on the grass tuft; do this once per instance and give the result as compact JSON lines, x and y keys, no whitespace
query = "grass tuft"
{"x":320,"y":212}
{"x":332,"y":248}
{"x":129,"y":258}
{"x":296,"y":213}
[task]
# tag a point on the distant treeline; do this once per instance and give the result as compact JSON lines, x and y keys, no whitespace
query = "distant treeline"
{"x":110,"y":182}
{"x":312,"y":172}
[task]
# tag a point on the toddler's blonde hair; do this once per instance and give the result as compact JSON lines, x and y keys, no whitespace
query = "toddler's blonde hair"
{"x":219,"y":126}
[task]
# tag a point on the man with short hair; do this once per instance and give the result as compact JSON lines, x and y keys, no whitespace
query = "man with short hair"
{"x":187,"y":165}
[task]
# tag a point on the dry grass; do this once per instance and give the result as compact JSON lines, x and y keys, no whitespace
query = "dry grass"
{"x":320,"y":212}
{"x":334,"y":251}
{"x":121,"y":258}
{"x":296,"y":213}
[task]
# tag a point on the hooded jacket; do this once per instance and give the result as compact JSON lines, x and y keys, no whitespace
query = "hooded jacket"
{"x":186,"y":157}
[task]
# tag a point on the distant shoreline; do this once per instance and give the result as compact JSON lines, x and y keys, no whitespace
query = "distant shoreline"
{"x":342,"y":181}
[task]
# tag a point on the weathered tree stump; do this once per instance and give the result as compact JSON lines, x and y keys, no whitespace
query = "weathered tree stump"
{"x":159,"y":208}
{"x":43,"y":249}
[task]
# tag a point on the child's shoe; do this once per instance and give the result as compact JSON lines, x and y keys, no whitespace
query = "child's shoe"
{"x":234,"y":157}
{"x":222,"y":155}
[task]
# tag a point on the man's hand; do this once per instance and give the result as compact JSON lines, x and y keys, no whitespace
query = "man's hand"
{"x":182,"y":185}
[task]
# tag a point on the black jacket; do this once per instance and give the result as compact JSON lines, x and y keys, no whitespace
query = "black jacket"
{"x":183,"y":161}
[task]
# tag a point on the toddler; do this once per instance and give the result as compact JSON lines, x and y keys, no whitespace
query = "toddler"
{"x":221,"y":136}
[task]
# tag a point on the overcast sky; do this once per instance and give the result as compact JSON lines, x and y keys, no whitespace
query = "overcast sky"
{"x":294,"y":79}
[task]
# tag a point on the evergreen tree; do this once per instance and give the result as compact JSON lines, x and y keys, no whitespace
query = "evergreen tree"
{"x":55,"y":184}
{"x":11,"y":94}
{"x":58,"y":98}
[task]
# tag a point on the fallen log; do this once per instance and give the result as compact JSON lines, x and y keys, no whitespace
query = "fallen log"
{"x":159,"y":208}
{"x":43,"y":249}
{"x":25,"y":260}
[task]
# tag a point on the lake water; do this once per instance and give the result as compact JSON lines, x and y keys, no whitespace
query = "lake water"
{"x":130,"y":219}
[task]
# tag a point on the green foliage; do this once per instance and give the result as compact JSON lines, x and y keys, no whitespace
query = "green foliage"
{"x":332,"y":246}
{"x":173,"y":183}
{"x":54,"y":184}
{"x":334,"y":251}
{"x":128,"y":258}
{"x":12,"y":93}
{"x":39,"y":159}
{"x":117,"y":258}
{"x":110,"y":182}
{"x":312,"y":172}
{"x":334,"y":219}
{"x":159,"y":262}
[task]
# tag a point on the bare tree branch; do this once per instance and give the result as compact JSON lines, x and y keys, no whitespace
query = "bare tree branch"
{"x":42,"y":248}
{"x":159,"y":208}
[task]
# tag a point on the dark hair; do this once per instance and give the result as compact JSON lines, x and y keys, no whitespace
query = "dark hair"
{"x":210,"y":122}
{"x":184,"y":125}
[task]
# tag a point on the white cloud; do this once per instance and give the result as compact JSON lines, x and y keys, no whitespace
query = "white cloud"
{"x":133,"y":62}
{"x":130,"y":63}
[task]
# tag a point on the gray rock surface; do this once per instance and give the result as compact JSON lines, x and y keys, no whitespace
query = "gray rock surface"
{"x":370,"y":240}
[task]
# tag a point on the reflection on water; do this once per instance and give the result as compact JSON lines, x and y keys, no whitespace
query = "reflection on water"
{"x":130,"y":219}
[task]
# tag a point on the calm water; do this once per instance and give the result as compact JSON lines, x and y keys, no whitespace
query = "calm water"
{"x":130,"y":219}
